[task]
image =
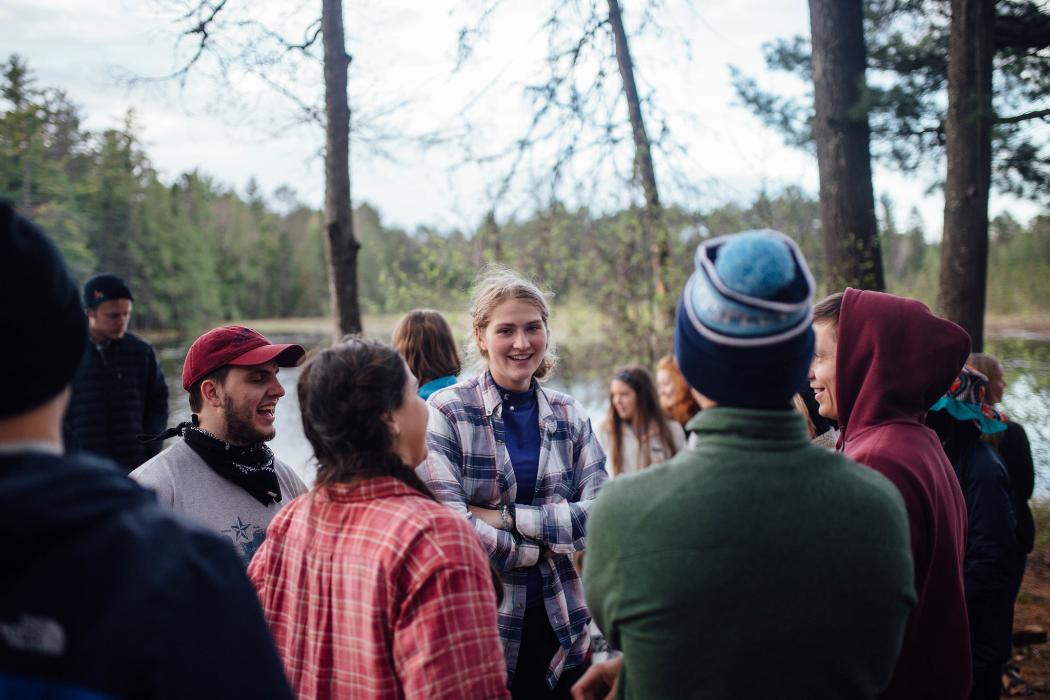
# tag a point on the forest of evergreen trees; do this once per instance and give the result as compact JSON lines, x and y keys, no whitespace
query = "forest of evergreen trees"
{"x":196,"y":251}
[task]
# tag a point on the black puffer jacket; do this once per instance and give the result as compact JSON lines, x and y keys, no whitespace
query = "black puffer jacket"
{"x":118,"y":394}
{"x":103,"y":594}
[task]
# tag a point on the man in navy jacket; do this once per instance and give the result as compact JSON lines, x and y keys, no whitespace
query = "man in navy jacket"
{"x":102,"y":594}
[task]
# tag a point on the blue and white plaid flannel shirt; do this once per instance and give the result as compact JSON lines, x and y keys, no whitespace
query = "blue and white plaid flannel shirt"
{"x":468,"y":464}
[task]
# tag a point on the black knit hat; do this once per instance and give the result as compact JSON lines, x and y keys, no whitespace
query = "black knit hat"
{"x":105,"y":287}
{"x":44,"y":325}
{"x":743,"y":334}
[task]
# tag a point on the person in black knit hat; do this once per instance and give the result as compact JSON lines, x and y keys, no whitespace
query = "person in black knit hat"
{"x":102,"y":593}
{"x":119,"y":392}
{"x":754,"y":549}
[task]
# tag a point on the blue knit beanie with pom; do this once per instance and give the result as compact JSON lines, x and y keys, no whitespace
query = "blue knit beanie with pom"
{"x":743,"y":335}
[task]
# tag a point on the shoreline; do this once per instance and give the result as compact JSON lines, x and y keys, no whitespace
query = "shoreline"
{"x":1023,"y":327}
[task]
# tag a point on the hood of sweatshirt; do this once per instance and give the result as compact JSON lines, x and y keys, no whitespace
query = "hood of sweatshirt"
{"x":45,"y":500}
{"x":894,"y":359}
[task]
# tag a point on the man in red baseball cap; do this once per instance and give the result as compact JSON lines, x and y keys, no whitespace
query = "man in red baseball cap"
{"x":221,"y":472}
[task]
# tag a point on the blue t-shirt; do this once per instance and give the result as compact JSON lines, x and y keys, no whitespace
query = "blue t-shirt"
{"x":435,"y":384}
{"x":521,"y":423}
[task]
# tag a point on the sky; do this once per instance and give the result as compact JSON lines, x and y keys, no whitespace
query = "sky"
{"x":404,"y":71}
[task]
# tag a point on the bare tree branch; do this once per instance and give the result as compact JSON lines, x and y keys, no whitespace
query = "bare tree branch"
{"x":311,"y":36}
{"x":313,"y":114}
{"x":938,"y":130}
{"x":203,"y":31}
{"x":1043,"y":114}
{"x":468,"y":36}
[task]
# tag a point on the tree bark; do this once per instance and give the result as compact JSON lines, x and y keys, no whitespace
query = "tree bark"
{"x":968,"y":139}
{"x":340,"y":243}
{"x":655,"y":232}
{"x":842,"y":134}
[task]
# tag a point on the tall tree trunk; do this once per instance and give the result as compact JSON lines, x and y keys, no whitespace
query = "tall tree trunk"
{"x":340,"y":244}
{"x":840,"y":128}
{"x":968,"y":137}
{"x":655,"y":232}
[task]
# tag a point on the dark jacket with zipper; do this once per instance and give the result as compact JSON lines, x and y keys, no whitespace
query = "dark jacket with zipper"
{"x":988,"y":568}
{"x":118,"y":394}
{"x":104,"y":595}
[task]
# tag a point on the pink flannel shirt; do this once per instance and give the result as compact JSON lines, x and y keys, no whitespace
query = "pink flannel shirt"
{"x":372,"y":590}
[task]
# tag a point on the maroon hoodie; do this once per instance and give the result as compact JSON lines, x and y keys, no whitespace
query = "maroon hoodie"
{"x":894,"y":359}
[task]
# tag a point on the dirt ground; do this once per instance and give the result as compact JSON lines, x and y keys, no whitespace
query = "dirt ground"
{"x":1033,"y":610}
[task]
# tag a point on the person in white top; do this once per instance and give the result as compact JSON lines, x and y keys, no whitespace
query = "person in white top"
{"x":636,"y":434}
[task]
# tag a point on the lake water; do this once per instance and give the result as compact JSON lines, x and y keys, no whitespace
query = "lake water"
{"x":1027,"y":400}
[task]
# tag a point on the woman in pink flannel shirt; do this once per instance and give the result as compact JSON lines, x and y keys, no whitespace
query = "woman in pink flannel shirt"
{"x":371,"y":588}
{"x":522,"y":464}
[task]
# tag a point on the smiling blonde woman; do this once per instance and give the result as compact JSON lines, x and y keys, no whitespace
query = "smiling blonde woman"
{"x":522,"y":464}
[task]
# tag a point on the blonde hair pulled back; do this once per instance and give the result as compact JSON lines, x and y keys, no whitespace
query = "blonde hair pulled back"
{"x":494,"y":285}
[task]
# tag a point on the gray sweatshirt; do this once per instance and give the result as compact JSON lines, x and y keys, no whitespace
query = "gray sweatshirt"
{"x":187,"y":485}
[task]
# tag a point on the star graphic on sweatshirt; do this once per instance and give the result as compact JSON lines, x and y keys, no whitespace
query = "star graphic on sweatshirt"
{"x":240,"y":529}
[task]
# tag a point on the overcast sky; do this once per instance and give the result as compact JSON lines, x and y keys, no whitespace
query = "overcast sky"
{"x":404,"y":53}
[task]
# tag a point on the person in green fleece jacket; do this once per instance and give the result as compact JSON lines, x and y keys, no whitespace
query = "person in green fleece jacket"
{"x":755,"y":564}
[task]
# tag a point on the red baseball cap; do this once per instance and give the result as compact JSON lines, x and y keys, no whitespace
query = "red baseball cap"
{"x":235,"y":345}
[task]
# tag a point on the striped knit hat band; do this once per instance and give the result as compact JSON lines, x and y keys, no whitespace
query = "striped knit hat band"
{"x":744,"y":333}
{"x":760,"y":301}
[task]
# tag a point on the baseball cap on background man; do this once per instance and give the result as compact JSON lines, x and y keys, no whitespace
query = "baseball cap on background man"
{"x":235,"y":345}
{"x":744,"y":332}
{"x":45,"y":328}
{"x":105,"y":287}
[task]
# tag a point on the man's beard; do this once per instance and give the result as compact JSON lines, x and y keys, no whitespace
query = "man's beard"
{"x":240,"y":427}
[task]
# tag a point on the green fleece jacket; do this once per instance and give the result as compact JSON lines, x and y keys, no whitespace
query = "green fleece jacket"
{"x":753,"y":565}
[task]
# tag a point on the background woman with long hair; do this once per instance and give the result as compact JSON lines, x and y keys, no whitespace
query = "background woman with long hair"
{"x":373,"y":589}
{"x":1016,"y":453}
{"x":521,"y":463}
{"x":960,"y":418}
{"x":636,"y":434}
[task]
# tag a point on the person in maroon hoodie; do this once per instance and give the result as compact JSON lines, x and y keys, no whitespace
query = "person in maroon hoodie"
{"x":881,"y":361}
